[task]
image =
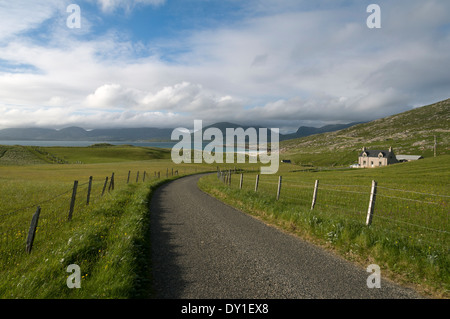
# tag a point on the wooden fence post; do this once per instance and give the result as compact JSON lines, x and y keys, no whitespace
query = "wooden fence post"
{"x":373,"y":194}
{"x":240,"y":182}
{"x":143,"y":179}
{"x":72,"y":201}
{"x":229,"y":179}
{"x":32,"y":230}
{"x":89,"y":190}
{"x":279,"y":188}
{"x":128,"y":179}
{"x":111,"y":183}
{"x":137,"y":177}
{"x":316,"y":187}
{"x":104,"y":186}
{"x":256,"y":182}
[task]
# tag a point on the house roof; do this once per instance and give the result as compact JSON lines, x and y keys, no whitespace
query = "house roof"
{"x":374,"y":153}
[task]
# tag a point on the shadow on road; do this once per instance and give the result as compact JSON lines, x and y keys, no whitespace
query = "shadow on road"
{"x":166,"y":274}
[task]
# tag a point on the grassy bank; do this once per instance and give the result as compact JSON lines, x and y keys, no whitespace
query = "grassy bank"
{"x":109,"y":243}
{"x":409,"y":235}
{"x":98,"y":153}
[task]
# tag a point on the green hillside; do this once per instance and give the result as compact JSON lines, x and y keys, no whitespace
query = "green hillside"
{"x":21,"y":155}
{"x":409,"y":133}
{"x":105,"y":153}
{"x":99,"y":153}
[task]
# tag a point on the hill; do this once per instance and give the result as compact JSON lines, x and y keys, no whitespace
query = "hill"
{"x":301,"y":132}
{"x":20,"y":155}
{"x":99,"y":153}
{"x":308,"y":130}
{"x":135,"y":134}
{"x":410,"y":132}
{"x":80,"y":134}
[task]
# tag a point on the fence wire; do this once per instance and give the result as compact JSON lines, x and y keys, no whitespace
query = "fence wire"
{"x":419,"y":216}
{"x":15,"y":223}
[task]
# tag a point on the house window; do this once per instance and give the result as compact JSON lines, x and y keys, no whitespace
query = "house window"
{"x":371,"y":163}
{"x":364,"y":162}
{"x":379,"y":163}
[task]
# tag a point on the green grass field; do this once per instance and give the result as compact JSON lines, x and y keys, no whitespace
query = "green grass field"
{"x":409,"y":235}
{"x":104,"y":153}
{"x":107,"y":239}
{"x":94,"y":154}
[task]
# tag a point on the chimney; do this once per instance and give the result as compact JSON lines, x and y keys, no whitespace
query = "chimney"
{"x":364,"y":148}
{"x":390,"y":149}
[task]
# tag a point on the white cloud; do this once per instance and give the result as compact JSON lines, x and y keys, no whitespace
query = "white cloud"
{"x":55,"y":101}
{"x":177,"y":97}
{"x":181,"y":98}
{"x":284,"y":67}
{"x":113,"y":96}
{"x":23,"y":15}
{"x":112,"y":5}
{"x":60,"y":117}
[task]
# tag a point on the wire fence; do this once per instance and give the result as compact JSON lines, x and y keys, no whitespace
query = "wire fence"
{"x":419,"y":217}
{"x":19,"y":226}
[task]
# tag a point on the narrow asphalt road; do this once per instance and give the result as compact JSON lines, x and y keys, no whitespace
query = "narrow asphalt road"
{"x":202,"y":248}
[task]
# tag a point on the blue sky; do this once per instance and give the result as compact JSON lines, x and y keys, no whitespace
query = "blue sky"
{"x":166,"y":20}
{"x":165,"y":63}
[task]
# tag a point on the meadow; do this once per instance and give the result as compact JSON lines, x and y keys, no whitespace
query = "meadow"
{"x":409,"y":234}
{"x":107,"y":239}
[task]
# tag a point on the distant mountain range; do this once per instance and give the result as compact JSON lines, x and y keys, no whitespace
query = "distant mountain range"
{"x":307,"y":131}
{"x":135,"y":134}
{"x":80,"y":134}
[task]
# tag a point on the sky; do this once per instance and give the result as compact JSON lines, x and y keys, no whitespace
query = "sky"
{"x":165,"y":63}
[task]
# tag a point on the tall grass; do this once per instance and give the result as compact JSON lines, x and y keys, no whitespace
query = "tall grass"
{"x":109,"y":242}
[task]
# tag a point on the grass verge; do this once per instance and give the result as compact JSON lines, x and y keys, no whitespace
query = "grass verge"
{"x":409,"y":263}
{"x":109,"y":243}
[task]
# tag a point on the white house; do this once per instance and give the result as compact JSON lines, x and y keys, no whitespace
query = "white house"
{"x":376,"y":158}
